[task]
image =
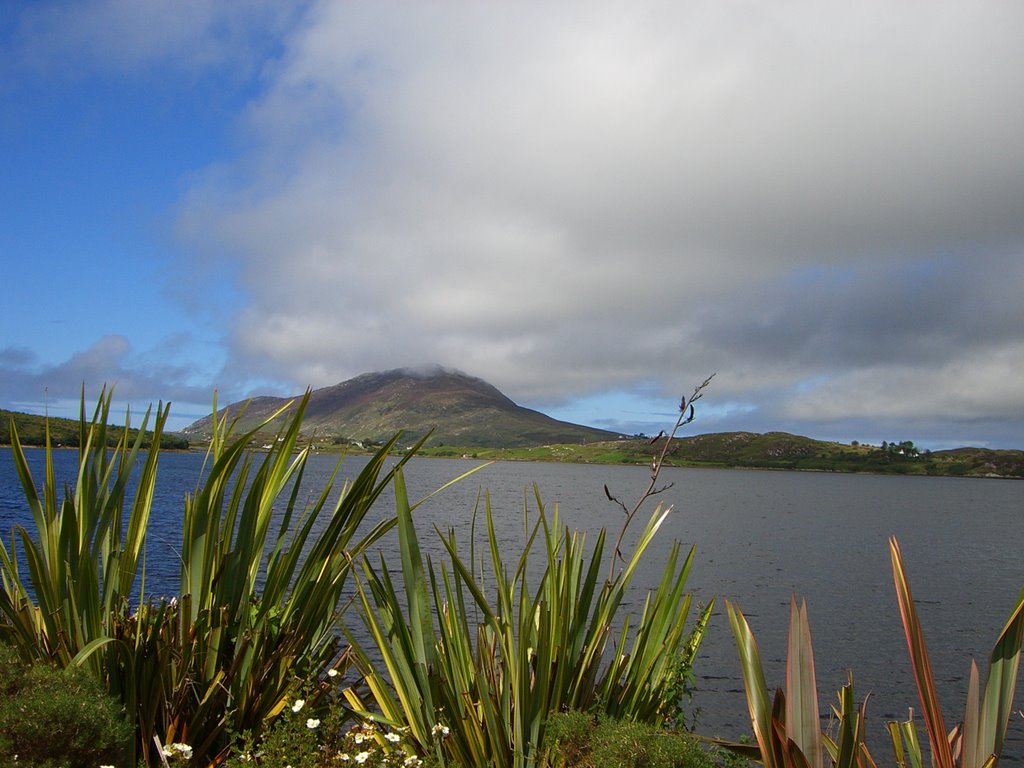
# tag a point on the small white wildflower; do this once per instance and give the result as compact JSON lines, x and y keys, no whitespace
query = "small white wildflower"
{"x":441,"y":729}
{"x":394,"y":738}
{"x":332,"y":673}
{"x":362,"y":757}
{"x":183,"y":749}
{"x":312,"y":723}
{"x":358,"y":738}
{"x":172,"y":749}
{"x":412,"y":762}
{"x":299,"y":704}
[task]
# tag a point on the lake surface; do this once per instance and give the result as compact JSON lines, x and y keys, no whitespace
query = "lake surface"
{"x":760,"y":537}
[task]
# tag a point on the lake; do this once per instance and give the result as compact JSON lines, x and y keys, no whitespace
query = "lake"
{"x":760,"y":536}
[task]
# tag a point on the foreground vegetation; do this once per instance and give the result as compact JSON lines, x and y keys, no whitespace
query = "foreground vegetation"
{"x":479,"y":658}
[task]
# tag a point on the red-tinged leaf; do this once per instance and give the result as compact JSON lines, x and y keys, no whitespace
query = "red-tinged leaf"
{"x":754,"y":684}
{"x":942,"y":755}
{"x":802,"y":716}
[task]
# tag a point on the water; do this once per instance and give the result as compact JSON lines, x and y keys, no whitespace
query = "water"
{"x":760,"y":536}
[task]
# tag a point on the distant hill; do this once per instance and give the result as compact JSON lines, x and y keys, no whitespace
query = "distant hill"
{"x":778,"y":450}
{"x":64,"y":433}
{"x":470,"y":416}
{"x":461,"y":410}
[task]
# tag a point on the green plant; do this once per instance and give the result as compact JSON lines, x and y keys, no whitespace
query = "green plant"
{"x":486,"y":663}
{"x":977,"y":740}
{"x":579,"y":740}
{"x":681,"y":679}
{"x":221,"y":659}
{"x":298,"y":740}
{"x":493,"y":681}
{"x":787,"y":728}
{"x":52,"y":718}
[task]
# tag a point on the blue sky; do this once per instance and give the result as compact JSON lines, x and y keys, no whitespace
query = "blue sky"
{"x":592,"y":206}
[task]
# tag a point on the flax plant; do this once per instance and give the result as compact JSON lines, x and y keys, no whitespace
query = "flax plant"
{"x":473,"y":663}
{"x":977,"y":740}
{"x":262,"y":572}
{"x":787,"y":727}
{"x":85,"y":559}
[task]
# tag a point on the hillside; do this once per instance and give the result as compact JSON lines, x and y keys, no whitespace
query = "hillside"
{"x":64,"y":433}
{"x":461,"y":410}
{"x":775,"y":450}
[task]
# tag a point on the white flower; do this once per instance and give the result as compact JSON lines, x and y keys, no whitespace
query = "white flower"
{"x":358,"y":737}
{"x":299,"y":704}
{"x":412,"y":762}
{"x":170,"y":750}
{"x":332,"y":673}
{"x":394,"y":738}
{"x":312,"y":723}
{"x":440,"y":728}
{"x":362,"y":757}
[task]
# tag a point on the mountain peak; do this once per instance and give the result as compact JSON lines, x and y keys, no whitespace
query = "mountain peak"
{"x":458,"y":409}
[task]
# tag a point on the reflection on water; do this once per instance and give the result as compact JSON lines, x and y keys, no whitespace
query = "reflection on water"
{"x":760,"y":537}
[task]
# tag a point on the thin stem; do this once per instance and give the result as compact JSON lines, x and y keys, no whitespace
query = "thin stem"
{"x":686,"y":415}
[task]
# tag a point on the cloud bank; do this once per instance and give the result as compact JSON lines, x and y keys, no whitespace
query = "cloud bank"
{"x":822,"y":203}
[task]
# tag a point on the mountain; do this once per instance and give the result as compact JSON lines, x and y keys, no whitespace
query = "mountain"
{"x":461,"y":410}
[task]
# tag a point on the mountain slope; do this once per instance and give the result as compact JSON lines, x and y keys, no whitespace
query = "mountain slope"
{"x":460,"y":409}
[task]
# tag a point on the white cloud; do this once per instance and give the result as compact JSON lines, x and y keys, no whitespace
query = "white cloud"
{"x":30,"y":384}
{"x":575,"y":198}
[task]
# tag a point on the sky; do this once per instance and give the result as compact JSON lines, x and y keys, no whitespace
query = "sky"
{"x":591,"y":205}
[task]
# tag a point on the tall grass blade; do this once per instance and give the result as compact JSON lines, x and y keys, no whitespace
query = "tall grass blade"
{"x":942,"y":755}
{"x":1000,"y":684}
{"x":756,"y":689}
{"x":803,"y":723}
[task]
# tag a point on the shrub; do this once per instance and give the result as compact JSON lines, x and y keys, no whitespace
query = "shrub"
{"x":583,"y":741}
{"x":298,"y":741}
{"x":52,"y":718}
